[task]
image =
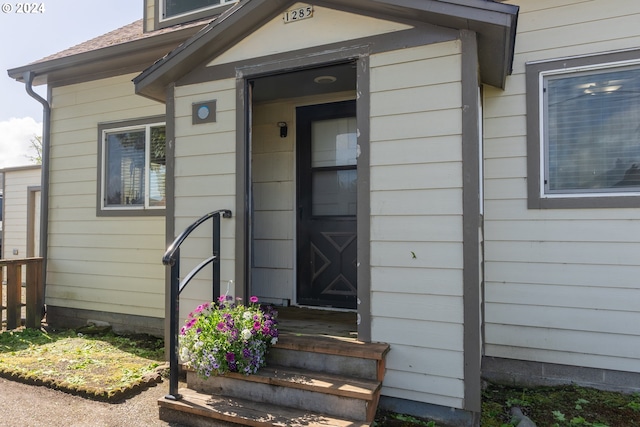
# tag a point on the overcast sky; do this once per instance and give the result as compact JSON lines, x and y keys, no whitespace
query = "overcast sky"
{"x":55,"y":25}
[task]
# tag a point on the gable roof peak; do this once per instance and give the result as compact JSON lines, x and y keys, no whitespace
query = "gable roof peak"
{"x":495,"y":22}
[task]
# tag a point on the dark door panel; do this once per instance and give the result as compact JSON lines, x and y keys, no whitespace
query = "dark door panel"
{"x":326,"y":203}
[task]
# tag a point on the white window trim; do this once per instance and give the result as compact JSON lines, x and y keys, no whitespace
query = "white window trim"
{"x":103,"y":143}
{"x":542,"y":143}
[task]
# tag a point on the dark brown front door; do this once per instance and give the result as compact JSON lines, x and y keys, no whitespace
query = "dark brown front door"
{"x":326,"y":205}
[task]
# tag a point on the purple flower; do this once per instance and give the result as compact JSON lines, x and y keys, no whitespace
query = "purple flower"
{"x":230,"y":357}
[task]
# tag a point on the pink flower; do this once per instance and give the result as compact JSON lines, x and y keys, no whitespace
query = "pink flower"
{"x":253,"y":299}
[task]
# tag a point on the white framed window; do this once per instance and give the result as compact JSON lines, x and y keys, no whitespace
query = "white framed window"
{"x":180,"y":8}
{"x":584,"y":132}
{"x":133,"y":167}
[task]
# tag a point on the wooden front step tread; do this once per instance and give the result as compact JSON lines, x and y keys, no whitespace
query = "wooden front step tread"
{"x":247,"y":413}
{"x":332,"y":345}
{"x":314,"y":381}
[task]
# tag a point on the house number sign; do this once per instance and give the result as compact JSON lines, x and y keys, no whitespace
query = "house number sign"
{"x":298,"y":14}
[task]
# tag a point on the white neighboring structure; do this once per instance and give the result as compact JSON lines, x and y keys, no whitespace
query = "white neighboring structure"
{"x":21,"y":212}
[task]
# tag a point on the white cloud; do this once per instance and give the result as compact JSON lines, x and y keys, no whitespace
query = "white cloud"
{"x":15,"y":141}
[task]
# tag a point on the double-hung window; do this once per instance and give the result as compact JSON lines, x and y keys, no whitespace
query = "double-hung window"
{"x":132,"y":168}
{"x":584,"y":132}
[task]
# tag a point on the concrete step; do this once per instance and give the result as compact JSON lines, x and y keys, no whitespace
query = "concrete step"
{"x":335,"y":395}
{"x":205,"y":410}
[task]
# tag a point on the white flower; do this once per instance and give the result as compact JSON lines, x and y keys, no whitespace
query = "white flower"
{"x":198,"y":344}
{"x":246,"y":315}
{"x":246,"y":334}
{"x":274,"y":340}
{"x":184,"y":354}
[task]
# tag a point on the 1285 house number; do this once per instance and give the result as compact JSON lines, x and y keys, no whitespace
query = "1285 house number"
{"x":298,"y":14}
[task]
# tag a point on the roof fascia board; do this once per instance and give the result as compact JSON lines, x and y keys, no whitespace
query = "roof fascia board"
{"x":484,"y":17}
{"x":432,"y":11}
{"x":219,"y":34}
{"x":147,"y":47}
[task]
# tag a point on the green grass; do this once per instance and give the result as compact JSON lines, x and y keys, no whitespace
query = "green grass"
{"x":105,"y":367}
{"x":565,"y":406}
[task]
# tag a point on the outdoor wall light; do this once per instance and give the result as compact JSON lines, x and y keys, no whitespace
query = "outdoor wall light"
{"x":283,"y":129}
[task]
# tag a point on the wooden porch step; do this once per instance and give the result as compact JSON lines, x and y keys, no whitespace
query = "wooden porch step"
{"x":346,"y":357}
{"x":309,"y":380}
{"x":347,"y":397}
{"x":297,"y":379}
{"x":200,"y":410}
{"x":332,"y":345}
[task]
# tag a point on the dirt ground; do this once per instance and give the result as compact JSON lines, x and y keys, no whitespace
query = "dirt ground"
{"x":34,"y":406}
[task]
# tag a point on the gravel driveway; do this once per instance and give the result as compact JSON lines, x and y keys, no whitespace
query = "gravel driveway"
{"x":24,"y":405}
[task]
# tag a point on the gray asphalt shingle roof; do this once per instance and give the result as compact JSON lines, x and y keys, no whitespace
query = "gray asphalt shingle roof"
{"x":129,"y":33}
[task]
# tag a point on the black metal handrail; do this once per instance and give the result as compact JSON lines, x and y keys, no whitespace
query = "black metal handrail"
{"x":172,"y":258}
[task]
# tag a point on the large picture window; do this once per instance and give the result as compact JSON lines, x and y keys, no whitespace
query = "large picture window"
{"x":133,"y":169}
{"x":588,"y":136}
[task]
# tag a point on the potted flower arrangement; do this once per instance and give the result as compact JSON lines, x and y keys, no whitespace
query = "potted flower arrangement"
{"x":228,"y":336}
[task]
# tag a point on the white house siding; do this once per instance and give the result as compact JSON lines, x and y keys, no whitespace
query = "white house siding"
{"x":561,"y":284}
{"x":416,"y":221}
{"x":273,"y":173}
{"x":205,"y":181}
{"x":110,"y":264}
{"x":16,"y":199}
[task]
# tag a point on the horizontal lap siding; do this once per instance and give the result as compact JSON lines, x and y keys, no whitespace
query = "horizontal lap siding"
{"x":205,"y":181}
{"x":416,"y":221}
{"x":561,"y":285}
{"x":273,"y":161}
{"x":107,"y":264}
